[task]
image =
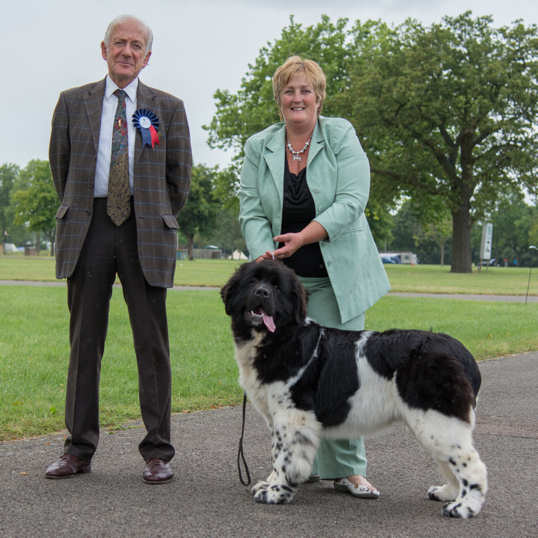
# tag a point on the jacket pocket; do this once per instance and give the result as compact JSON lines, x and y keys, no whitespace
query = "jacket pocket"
{"x":170,"y":221}
{"x":62,"y":211}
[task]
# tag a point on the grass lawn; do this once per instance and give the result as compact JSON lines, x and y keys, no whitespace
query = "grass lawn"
{"x":439,"y":279}
{"x":404,"y":278}
{"x":34,"y":349}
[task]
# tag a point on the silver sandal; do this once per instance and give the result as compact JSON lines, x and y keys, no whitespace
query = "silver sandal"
{"x":363,"y":491}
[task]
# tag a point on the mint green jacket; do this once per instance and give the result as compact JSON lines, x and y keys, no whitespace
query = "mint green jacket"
{"x":338,"y":176}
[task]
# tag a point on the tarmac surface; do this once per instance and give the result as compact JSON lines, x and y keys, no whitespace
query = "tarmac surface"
{"x":206,"y":499}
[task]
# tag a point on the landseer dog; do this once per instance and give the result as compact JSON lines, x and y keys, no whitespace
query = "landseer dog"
{"x":309,"y":382}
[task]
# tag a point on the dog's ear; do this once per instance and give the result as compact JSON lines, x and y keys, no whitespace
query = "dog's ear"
{"x":300,"y":293}
{"x":231,"y":290}
{"x":226,"y":292}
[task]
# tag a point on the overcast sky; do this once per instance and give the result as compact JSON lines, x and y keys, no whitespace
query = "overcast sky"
{"x":200,"y":46}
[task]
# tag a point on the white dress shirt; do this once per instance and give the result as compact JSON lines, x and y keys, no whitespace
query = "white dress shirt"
{"x":110,"y":102}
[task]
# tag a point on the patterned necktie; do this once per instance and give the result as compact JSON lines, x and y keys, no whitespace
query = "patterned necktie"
{"x":119,"y":195}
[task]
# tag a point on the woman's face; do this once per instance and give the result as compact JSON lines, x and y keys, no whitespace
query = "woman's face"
{"x":298,"y":102}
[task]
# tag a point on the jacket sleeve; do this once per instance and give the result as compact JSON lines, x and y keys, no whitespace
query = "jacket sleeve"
{"x":178,"y":159}
{"x":352,"y":185}
{"x":59,"y":146}
{"x":255,"y":225}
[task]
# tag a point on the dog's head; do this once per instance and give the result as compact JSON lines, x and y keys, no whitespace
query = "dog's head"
{"x":264,"y":296}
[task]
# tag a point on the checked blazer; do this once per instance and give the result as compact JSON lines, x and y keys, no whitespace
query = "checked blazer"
{"x":160,"y":184}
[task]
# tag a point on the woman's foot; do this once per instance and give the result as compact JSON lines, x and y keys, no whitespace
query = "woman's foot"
{"x":358,"y":486}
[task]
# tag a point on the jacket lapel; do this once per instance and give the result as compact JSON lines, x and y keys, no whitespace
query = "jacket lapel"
{"x":93,"y":101}
{"x":317,"y":143}
{"x":145,"y":98}
{"x":274,"y":155}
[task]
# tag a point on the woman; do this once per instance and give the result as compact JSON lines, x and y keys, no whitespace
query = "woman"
{"x":304,"y":187}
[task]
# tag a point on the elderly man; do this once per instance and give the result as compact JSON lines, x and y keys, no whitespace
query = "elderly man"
{"x":121,"y":159}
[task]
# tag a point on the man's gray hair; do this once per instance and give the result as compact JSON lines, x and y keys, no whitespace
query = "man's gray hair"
{"x":125,"y":18}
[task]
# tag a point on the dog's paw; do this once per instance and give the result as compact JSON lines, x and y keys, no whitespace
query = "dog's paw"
{"x":458,"y":509}
{"x":267,"y":493}
{"x":442,"y":493}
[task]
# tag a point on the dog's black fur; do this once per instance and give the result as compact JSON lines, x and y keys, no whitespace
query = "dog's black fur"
{"x":310,"y":382}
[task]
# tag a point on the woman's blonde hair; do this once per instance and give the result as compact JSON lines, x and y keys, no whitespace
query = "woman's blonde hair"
{"x":312,"y":71}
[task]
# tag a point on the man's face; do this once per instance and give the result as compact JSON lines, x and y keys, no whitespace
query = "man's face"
{"x":126,"y":53}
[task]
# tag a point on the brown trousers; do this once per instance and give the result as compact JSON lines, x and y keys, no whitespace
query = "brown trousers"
{"x":109,"y":250}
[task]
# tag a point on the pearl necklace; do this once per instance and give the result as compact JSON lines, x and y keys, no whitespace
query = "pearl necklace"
{"x":296,"y":155}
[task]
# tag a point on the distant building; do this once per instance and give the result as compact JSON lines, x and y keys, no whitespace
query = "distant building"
{"x":399,"y":257}
{"x":238,"y":255}
{"x":208,"y":253}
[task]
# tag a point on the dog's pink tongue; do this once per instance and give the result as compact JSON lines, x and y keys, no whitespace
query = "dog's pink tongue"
{"x":269,"y":323}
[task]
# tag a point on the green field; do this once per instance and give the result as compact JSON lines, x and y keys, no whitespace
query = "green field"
{"x":34,"y":344}
{"x":403,"y":278}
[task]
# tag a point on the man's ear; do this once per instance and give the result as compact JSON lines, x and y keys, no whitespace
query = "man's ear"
{"x":146,"y":59}
{"x":103,"y":50}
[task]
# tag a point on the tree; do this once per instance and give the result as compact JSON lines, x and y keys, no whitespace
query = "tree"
{"x":445,"y":112}
{"x":439,"y":232}
{"x":8,"y":174}
{"x":513,"y":222}
{"x":34,"y":200}
{"x":450,"y":112}
{"x":253,"y":107}
{"x":199,"y":213}
{"x":424,"y":230}
{"x":227,"y":232}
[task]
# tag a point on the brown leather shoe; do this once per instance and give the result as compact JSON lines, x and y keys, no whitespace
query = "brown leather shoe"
{"x":67,"y":466}
{"x":157,"y":472}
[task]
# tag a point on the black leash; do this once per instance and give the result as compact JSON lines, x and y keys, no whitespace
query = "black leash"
{"x":240,"y":454}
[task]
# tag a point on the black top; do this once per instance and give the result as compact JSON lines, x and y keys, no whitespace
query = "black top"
{"x":298,"y":210}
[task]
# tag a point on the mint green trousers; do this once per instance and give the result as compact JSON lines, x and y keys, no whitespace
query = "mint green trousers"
{"x":336,"y":458}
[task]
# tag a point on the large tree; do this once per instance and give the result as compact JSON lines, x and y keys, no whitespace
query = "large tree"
{"x":450,"y":113}
{"x":444,"y":112}
{"x":252,"y":108}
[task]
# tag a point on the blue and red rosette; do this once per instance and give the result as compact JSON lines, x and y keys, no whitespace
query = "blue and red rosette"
{"x":148,"y":124}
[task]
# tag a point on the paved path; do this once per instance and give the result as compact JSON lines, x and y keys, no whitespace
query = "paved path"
{"x":468,"y":297}
{"x":207,"y":500}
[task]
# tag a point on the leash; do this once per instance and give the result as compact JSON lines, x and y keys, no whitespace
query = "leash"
{"x":240,"y":453}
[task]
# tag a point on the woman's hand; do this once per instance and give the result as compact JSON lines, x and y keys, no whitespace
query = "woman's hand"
{"x":292,"y":243}
{"x":313,"y":233}
{"x":267,"y":256}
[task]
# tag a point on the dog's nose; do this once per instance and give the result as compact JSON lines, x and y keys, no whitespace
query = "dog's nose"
{"x":262,"y":291}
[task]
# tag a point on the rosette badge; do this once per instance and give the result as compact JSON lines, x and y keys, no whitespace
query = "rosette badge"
{"x":148,"y":125}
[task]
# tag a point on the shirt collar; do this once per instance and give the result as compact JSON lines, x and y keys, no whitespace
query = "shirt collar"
{"x":130,"y":89}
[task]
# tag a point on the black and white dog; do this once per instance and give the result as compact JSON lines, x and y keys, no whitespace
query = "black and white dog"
{"x":308,"y":382}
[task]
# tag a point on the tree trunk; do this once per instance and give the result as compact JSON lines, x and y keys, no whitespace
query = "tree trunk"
{"x":38,"y":243}
{"x":190,"y":243}
{"x":461,"y":240}
{"x":52,"y":245}
{"x":442,"y":248}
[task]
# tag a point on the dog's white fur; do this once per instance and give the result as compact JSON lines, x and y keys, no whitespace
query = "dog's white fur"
{"x":375,"y":405}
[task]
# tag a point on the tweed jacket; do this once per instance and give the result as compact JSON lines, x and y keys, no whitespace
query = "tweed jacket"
{"x":338,"y":176}
{"x":160,"y":184}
